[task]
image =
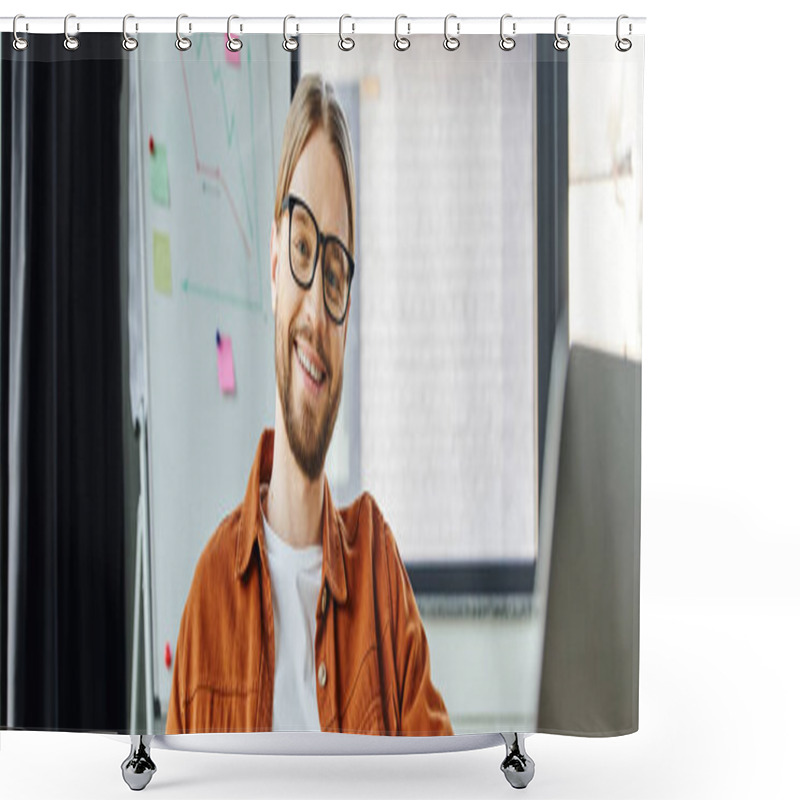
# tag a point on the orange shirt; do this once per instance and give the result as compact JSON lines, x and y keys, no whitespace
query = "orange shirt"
{"x":371,"y":653}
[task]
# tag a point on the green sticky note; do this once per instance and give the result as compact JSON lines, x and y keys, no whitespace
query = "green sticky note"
{"x":159,"y":177}
{"x":162,"y":264}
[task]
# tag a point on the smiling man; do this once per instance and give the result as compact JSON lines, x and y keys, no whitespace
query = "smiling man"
{"x":301,"y":615}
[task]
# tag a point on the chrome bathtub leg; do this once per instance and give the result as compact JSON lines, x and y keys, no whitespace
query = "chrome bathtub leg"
{"x":138,"y":768}
{"x":517,"y":766}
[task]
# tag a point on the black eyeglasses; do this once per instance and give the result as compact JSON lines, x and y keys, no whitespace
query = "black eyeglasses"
{"x":305,"y":245}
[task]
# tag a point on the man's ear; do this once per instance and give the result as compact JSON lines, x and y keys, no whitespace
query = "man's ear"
{"x":273,"y":265}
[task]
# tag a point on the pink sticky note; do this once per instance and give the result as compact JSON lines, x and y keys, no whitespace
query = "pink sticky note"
{"x":233,"y":57}
{"x":227,"y":380}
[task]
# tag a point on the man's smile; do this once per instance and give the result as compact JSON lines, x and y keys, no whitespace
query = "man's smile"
{"x":311,"y":367}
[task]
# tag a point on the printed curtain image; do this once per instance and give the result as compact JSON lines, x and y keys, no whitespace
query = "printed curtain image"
{"x":320,"y":385}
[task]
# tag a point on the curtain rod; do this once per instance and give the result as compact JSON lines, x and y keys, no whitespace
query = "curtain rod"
{"x":460,"y":26}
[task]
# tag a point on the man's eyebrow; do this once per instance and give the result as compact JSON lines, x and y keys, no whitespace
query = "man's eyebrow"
{"x":341,"y":236}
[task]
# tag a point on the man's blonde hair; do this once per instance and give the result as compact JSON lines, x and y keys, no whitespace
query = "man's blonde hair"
{"x":315,"y":105}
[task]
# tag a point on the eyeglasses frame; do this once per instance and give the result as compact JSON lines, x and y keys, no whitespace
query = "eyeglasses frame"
{"x":288,"y":204}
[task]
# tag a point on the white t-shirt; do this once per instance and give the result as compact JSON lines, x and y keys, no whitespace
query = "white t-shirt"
{"x":296,"y":578}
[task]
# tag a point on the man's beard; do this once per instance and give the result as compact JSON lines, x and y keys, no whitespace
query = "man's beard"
{"x":308,"y":436}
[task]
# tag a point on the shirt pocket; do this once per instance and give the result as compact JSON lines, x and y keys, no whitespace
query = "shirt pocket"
{"x":221,"y":709}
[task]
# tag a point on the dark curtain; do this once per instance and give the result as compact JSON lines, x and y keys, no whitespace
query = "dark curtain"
{"x":552,"y":209}
{"x":62,"y":534}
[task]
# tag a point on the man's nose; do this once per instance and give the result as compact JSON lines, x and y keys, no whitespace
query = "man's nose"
{"x":314,"y":301}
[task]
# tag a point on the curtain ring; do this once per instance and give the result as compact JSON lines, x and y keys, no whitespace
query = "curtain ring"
{"x":234,"y":43}
{"x":401,"y":42}
{"x":623,"y":45}
{"x":289,"y":42}
{"x":19,"y":43}
{"x":346,"y":42}
{"x":507,"y":42}
{"x":182,"y":42}
{"x":70,"y":42}
{"x":560,"y":42}
{"x":128,"y":42}
{"x":451,"y":42}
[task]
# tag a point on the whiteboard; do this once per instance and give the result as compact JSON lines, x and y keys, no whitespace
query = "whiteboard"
{"x":216,"y":124}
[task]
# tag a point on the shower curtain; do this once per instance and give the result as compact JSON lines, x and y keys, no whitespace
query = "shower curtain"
{"x":458,"y":396}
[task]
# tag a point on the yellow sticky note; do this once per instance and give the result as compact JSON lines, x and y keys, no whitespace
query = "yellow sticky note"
{"x":162,"y":264}
{"x":159,"y":177}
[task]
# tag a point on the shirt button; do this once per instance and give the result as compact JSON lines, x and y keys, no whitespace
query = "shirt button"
{"x":324,"y":597}
{"x":322,"y":674}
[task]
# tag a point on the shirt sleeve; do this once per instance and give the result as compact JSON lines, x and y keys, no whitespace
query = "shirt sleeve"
{"x":422,"y":709}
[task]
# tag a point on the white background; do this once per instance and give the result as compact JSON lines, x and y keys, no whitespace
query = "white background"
{"x":720,"y":605}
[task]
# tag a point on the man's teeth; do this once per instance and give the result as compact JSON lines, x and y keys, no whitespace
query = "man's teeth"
{"x":308,"y":366}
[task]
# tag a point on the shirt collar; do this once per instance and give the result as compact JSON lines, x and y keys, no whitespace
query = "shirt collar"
{"x":250,"y":523}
